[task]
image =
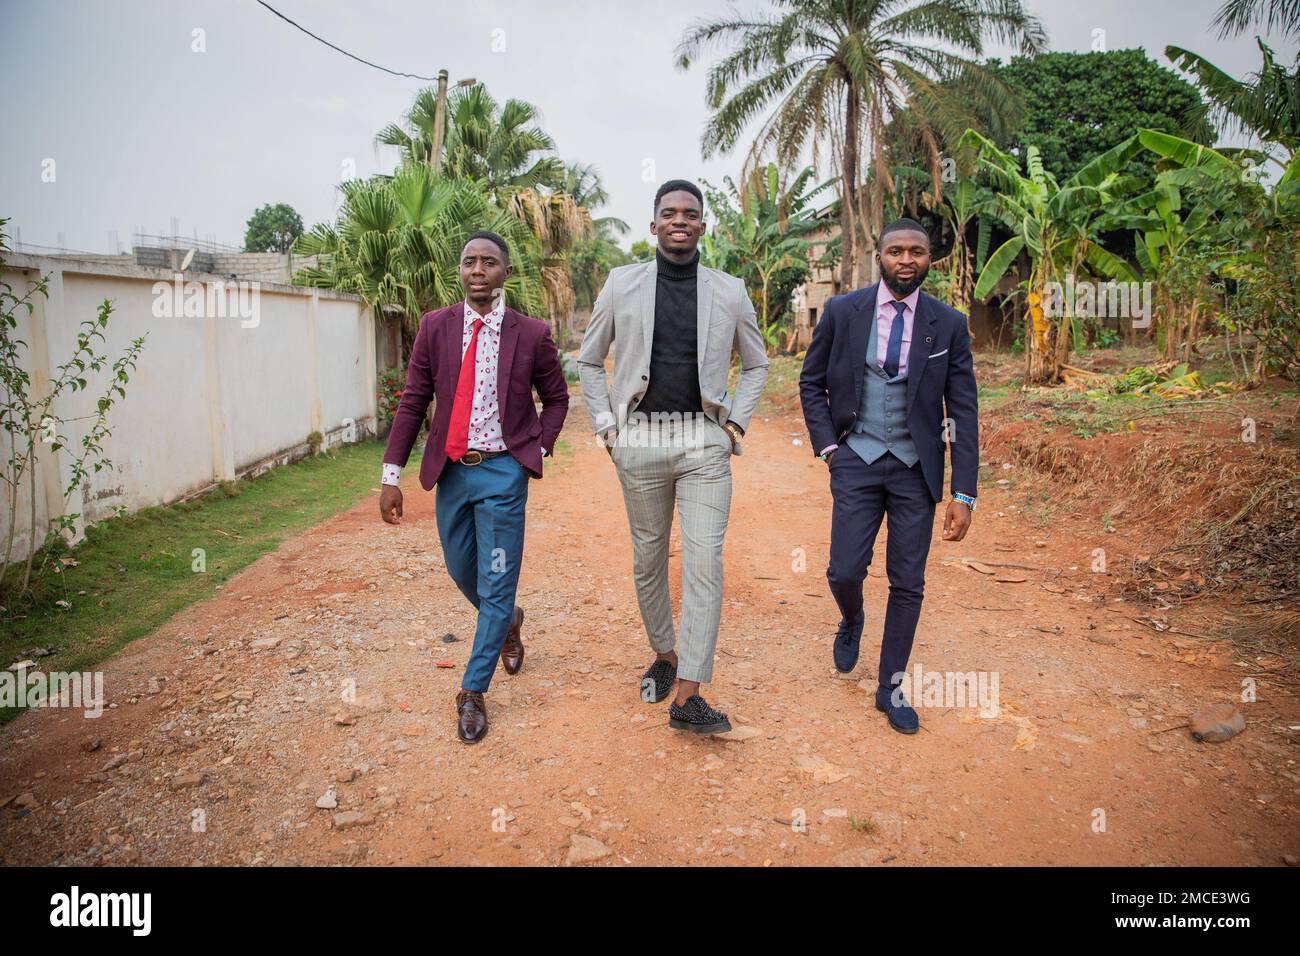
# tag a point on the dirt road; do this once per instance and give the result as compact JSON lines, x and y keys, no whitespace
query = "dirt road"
{"x":229,"y":725}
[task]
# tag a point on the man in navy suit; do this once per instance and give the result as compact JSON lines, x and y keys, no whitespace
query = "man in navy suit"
{"x":886,"y":385}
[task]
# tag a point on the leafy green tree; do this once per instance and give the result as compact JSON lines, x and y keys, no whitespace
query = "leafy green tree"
{"x":966,"y":202}
{"x":272,"y":228}
{"x":642,"y":251}
{"x":838,"y":74}
{"x":589,"y":265}
{"x":29,"y":419}
{"x":501,"y":149}
{"x":1080,"y":105}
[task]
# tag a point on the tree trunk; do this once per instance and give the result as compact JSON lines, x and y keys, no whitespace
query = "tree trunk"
{"x":848,"y":190}
{"x":870,"y":224}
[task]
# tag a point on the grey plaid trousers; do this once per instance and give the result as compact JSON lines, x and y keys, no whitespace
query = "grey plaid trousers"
{"x":684,"y":464}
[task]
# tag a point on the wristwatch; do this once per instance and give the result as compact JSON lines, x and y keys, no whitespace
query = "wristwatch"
{"x":967,"y":500}
{"x":734,"y":430}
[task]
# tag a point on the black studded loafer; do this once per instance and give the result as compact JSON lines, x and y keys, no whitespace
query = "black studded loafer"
{"x":697,"y":717}
{"x":657,"y":681}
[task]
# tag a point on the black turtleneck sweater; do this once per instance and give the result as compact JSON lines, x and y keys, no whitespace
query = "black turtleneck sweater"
{"x":674,"y":372}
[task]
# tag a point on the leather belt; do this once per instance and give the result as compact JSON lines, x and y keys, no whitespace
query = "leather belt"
{"x":475,"y":457}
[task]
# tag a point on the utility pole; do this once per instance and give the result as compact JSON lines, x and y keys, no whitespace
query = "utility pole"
{"x":440,"y":117}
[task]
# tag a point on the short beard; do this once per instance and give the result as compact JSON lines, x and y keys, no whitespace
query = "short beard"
{"x":901,"y":289}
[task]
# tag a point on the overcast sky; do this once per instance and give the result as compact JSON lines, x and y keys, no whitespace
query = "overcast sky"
{"x":143,"y":129}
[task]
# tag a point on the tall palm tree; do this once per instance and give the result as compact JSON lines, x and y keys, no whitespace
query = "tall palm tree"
{"x":415,"y":140}
{"x":841,"y":73}
{"x":499,"y":145}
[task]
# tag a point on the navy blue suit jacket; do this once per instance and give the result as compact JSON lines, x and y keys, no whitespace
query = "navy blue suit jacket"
{"x":940,"y":375}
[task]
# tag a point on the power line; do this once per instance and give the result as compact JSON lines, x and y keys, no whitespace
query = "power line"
{"x":414,"y":76}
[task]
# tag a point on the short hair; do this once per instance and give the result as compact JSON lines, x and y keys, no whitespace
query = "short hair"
{"x":675,"y":185}
{"x":491,"y":237}
{"x":903,"y":225}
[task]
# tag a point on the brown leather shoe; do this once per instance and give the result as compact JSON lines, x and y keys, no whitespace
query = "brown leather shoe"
{"x":473,"y":722}
{"x":512,"y":651}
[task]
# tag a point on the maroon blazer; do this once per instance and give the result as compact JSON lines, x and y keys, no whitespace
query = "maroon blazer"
{"x":528,"y":360}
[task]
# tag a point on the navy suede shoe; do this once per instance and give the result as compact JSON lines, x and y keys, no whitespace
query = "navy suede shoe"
{"x":901,"y":717}
{"x":847,"y":639}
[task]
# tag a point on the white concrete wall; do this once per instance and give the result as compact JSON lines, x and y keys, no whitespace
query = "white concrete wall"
{"x":212,"y":398}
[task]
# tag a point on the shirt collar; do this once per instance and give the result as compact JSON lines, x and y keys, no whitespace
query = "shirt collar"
{"x":884,"y":297}
{"x":492,"y":320}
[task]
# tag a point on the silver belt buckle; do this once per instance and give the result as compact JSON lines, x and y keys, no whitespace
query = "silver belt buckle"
{"x":472,"y":457}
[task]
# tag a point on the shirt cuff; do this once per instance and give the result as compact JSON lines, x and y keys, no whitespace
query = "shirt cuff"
{"x":391,"y":475}
{"x":829,"y":448}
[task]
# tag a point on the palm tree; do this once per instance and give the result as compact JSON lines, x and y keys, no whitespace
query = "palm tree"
{"x":416,"y":140}
{"x":1235,"y":17}
{"x":591,"y":260}
{"x":760,"y":231}
{"x":506,"y":162}
{"x":843,"y":73}
{"x":1169,"y":223}
{"x":583,"y":183}
{"x":1265,"y":105}
{"x":1238,"y":229}
{"x":499,"y":145}
{"x":555,"y":225}
{"x":397,"y":242}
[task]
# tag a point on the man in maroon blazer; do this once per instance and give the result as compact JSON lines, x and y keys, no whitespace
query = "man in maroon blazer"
{"x":479,"y":362}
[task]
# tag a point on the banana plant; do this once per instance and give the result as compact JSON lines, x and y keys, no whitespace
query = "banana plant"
{"x":963,"y":201}
{"x":1058,"y":226}
{"x":1232,"y":216}
{"x":1170,"y":226}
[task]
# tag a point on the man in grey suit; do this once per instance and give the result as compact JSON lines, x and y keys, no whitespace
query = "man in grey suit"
{"x":670,"y":428}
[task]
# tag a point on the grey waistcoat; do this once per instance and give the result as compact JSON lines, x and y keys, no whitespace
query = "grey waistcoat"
{"x":882,"y":412}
